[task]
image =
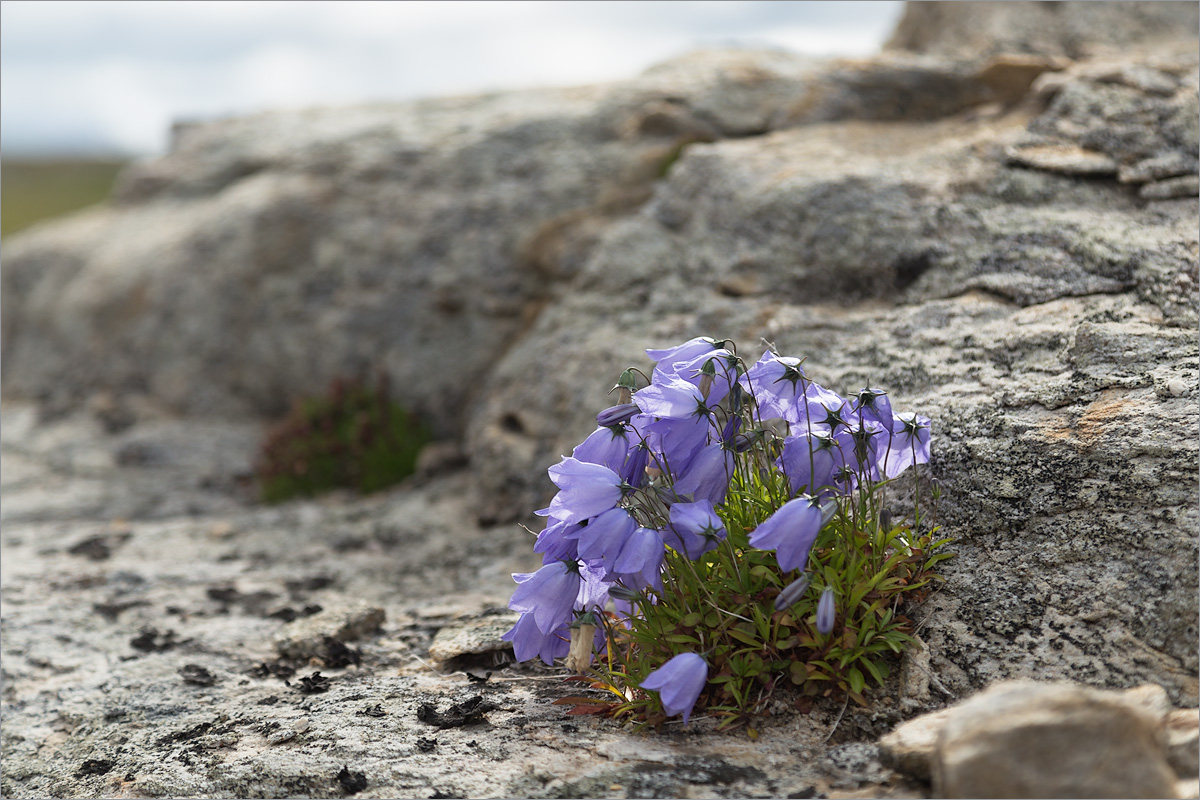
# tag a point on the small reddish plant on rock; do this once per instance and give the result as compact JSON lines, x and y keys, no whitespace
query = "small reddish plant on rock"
{"x":355,"y":437}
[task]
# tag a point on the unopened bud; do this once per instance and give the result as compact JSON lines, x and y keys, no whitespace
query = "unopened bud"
{"x":619,"y":592}
{"x":885,"y":520}
{"x":616,"y":415}
{"x":791,"y":593}
{"x":826,"y":611}
{"x":626,"y":385}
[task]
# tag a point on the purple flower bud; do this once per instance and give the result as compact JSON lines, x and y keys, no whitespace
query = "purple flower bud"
{"x":791,"y":593}
{"x":826,"y":611}
{"x":616,"y":415}
{"x":679,"y":683}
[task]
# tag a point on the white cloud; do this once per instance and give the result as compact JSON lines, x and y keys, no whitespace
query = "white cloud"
{"x":113,"y":74}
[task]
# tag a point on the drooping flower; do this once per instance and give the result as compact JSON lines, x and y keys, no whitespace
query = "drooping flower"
{"x":826,"y":611}
{"x":640,"y":560}
{"x":548,"y":594}
{"x":586,"y":490}
{"x":683,"y":352}
{"x":679,"y":683}
{"x":695,"y":528}
{"x":790,"y":532}
{"x":672,"y":397}
{"x":604,"y":536}
{"x":908,"y":445}
{"x":557,"y":542}
{"x":707,"y":476}
{"x":603,"y":446}
{"x":809,"y":460}
{"x":873,"y":404}
{"x":528,"y":641}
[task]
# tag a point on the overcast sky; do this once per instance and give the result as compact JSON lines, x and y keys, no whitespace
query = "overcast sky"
{"x":108,"y":77}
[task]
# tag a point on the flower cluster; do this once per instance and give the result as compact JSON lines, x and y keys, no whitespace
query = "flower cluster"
{"x":711,"y":470}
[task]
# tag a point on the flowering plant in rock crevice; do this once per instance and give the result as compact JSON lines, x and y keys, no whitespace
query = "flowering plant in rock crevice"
{"x":724,"y":533}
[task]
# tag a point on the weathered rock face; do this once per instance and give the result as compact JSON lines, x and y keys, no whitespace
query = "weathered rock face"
{"x":1009,"y":247}
{"x":1076,"y":28}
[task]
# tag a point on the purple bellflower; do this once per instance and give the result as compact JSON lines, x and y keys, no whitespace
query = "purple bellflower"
{"x":549,"y":594}
{"x":529,"y":642}
{"x":672,"y":397}
{"x":695,"y":528}
{"x":603,"y":446}
{"x":679,"y":683}
{"x":790,"y":532}
{"x":707,"y":476}
{"x":683,"y":352}
{"x":640,"y":560}
{"x":586,"y":490}
{"x":602,"y":538}
{"x":908,"y":445}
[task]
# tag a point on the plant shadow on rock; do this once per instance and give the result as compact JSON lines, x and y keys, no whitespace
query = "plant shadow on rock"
{"x":354,"y":437}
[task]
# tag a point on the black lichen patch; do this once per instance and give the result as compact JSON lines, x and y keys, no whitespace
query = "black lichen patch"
{"x":151,"y":641}
{"x":313,"y":684}
{"x":98,"y":548}
{"x":288,"y":614}
{"x":335,"y":654}
{"x":352,"y":782}
{"x":426,"y":745}
{"x":298,"y":588}
{"x":372,"y":711}
{"x":110,"y":611}
{"x":468,"y":712}
{"x":279,"y":669}
{"x":95,"y":766}
{"x":197,"y":675}
{"x":194,"y":732}
{"x":253,"y":604}
{"x":665,"y":780}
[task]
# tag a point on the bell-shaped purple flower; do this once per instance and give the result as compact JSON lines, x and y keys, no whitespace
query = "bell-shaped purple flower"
{"x":683,"y":352}
{"x":549,"y":594}
{"x":873,"y":404}
{"x":809,"y":460}
{"x":707,"y":476}
{"x":557,"y":542}
{"x":672,"y":397}
{"x":826,"y":611}
{"x":790,"y":532}
{"x":640,"y":560}
{"x":603,"y":537}
{"x":679,"y":683}
{"x":908,"y":445}
{"x":586,"y":490}
{"x":695,"y":528}
{"x":529,"y":642}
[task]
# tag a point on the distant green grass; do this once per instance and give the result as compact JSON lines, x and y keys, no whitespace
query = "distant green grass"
{"x":31,"y":191}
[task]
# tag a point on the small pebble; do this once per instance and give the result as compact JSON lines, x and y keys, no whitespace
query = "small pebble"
{"x":301,"y":725}
{"x":1176,"y":387}
{"x":281,"y":736}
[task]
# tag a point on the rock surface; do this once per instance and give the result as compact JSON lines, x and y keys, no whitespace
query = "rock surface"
{"x":1005,"y":241}
{"x":1028,"y":739}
